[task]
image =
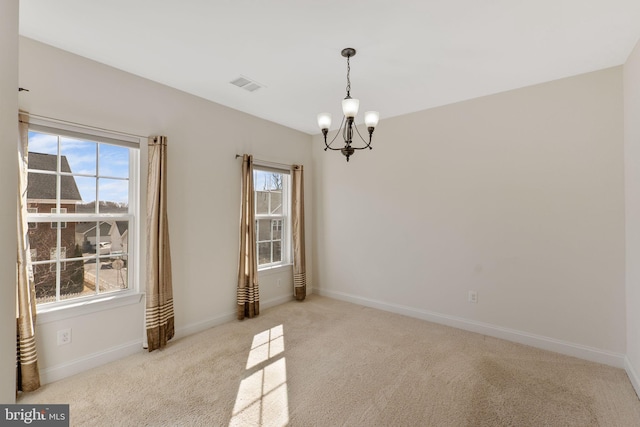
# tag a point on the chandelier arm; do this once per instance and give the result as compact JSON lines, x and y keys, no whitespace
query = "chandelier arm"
{"x":334,"y":138}
{"x":367,"y":144}
{"x":331,"y":148}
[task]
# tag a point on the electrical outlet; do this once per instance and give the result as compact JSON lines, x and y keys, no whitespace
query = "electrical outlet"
{"x":279,"y":283}
{"x":472,"y":297}
{"x":64,"y":336}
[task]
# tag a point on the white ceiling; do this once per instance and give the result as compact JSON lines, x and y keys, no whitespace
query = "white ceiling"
{"x":412,"y":55}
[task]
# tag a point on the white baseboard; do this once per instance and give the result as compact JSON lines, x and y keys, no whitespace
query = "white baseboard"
{"x":546,"y":343}
{"x":633,"y":375}
{"x":94,"y":360}
{"x":90,"y":361}
{"x":194,"y":328}
{"x":276,"y":301}
{"x":224,"y":318}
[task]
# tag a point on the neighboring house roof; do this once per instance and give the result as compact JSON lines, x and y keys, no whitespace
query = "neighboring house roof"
{"x":43,"y":186}
{"x":123,"y":226}
{"x":88,"y":229}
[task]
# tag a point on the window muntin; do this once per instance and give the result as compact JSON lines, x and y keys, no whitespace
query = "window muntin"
{"x":53,"y":256}
{"x":59,"y":224}
{"x":271,"y":188}
{"x":86,"y":188}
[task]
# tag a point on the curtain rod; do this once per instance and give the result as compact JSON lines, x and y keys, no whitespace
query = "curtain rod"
{"x":267,"y":163}
{"x":52,"y":119}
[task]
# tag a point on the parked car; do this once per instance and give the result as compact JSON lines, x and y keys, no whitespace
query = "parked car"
{"x":104,"y":248}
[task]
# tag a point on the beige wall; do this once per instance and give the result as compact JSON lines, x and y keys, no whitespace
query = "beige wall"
{"x":632,"y":198}
{"x":518,"y":196}
{"x":203,"y":184}
{"x":8,"y":185}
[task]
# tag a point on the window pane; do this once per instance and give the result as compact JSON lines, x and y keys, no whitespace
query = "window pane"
{"x":69,"y":190}
{"x":42,"y":143}
{"x":113,"y":195}
{"x":113,"y":274}
{"x":274,"y":181}
{"x":41,"y":186}
{"x":277,"y":229}
{"x":90,"y":276}
{"x":103,"y":245}
{"x":119,"y":238}
{"x":53,"y":253}
{"x":262,"y":202}
{"x":277,"y":252}
{"x":72,"y":284}
{"x":78,"y":156}
{"x":276,"y":202}
{"x":113,"y":161}
{"x":264,"y":232}
{"x":45,"y":281}
{"x":43,"y":240}
{"x":264,"y":253}
{"x":261,"y":180}
{"x":85,"y":233}
{"x":87,"y":188}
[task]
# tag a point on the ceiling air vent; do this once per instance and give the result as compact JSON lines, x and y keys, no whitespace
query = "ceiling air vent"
{"x":246,"y":84}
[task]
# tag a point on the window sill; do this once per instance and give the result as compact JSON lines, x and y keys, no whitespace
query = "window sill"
{"x":268,"y":271}
{"x":80,"y":308}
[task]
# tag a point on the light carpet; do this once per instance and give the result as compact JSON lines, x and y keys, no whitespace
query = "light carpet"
{"x":324,"y":362}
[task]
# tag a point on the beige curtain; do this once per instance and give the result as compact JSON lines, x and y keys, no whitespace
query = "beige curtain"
{"x":248,"y":293}
{"x":28,"y":376}
{"x":159,"y":297}
{"x":297,"y":220}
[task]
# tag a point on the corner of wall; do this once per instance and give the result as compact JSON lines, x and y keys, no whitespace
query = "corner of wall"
{"x":631,"y":91}
{"x":8,"y":174}
{"x":633,"y":375}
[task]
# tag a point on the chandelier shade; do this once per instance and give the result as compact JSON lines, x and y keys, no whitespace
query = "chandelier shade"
{"x":350,"y":107}
{"x":324,"y":120}
{"x":371,"y":119}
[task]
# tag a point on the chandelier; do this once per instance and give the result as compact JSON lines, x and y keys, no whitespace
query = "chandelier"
{"x":349,"y":109}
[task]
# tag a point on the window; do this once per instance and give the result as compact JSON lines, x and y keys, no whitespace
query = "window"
{"x":60,"y":224}
{"x":271,"y":188}
{"x":82,"y":188}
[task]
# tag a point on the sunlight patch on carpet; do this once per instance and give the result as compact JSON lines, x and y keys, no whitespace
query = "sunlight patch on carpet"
{"x":262,"y":395}
{"x":266,"y":345}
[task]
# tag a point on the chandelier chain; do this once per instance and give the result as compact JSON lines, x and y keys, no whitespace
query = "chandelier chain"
{"x":348,"y":79}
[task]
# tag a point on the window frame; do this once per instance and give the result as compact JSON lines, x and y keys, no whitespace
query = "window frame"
{"x":98,"y":300}
{"x":284,"y":216}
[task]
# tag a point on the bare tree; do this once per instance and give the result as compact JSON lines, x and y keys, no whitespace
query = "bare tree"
{"x":276,"y":180}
